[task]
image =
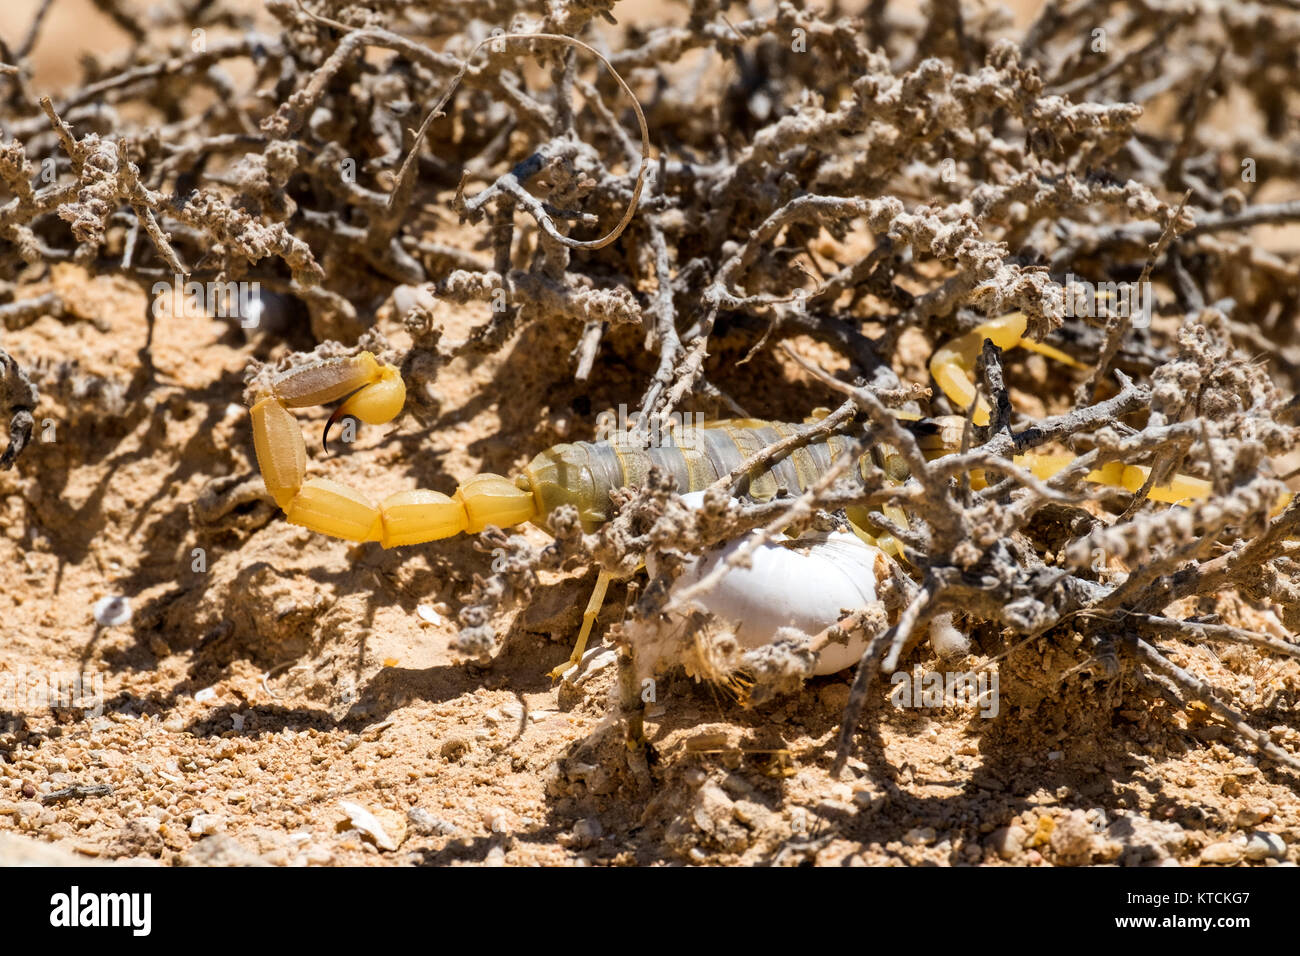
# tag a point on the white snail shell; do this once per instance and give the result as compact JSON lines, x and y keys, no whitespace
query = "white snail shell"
{"x":808,"y":583}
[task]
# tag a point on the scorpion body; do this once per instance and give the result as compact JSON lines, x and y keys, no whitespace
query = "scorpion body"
{"x":583,"y":474}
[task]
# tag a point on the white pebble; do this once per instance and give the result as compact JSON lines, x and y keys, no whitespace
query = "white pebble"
{"x":367,"y":824}
{"x":1224,"y":854}
{"x":407,"y":297}
{"x":1006,"y":842}
{"x":429,"y":615}
{"x":1263,"y":845}
{"x":112,"y":611}
{"x":206,"y":824}
{"x":206,"y":694}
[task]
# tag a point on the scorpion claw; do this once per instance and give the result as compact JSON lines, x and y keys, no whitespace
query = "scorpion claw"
{"x":953,"y":367}
{"x":953,"y":364}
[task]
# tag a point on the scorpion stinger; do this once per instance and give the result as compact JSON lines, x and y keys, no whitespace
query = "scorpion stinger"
{"x":329,"y":507}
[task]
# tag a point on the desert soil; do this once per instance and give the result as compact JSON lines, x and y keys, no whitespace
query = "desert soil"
{"x":271,"y":681}
{"x":277,"y":697}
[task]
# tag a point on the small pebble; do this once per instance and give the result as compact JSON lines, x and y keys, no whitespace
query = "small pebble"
{"x":319,"y":856}
{"x":408,"y":297}
{"x":368,"y":824}
{"x":455,"y":746}
{"x":112,"y":611}
{"x":920,"y":836}
{"x":834,"y":697}
{"x":1007,"y":841}
{"x":206,"y":824}
{"x":1263,"y":845}
{"x":426,"y":824}
{"x":1253,"y":816}
{"x":587,"y":831}
{"x":1223,"y":854}
{"x":868,"y":799}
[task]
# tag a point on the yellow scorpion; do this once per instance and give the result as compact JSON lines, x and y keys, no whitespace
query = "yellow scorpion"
{"x":583,"y":474}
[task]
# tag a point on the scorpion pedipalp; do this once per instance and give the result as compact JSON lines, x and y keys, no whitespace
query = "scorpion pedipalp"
{"x":953,"y":364}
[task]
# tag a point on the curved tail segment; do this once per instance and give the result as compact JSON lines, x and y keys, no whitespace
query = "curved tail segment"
{"x":375,"y":395}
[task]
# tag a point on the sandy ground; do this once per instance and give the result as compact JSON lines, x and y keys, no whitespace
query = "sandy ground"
{"x":271,"y":681}
{"x":280,"y":698}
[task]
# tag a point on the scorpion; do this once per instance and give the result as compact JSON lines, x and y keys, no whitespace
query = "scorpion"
{"x":583,"y":474}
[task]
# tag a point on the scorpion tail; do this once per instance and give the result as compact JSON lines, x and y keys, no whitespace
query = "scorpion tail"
{"x":332,"y":508}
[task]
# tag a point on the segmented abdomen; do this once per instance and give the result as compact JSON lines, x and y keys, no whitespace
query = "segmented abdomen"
{"x":584,"y":473}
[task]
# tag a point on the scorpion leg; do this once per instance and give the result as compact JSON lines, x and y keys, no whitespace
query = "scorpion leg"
{"x":377,"y":395}
{"x":861,"y":524}
{"x":953,"y":367}
{"x":588,"y":620}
